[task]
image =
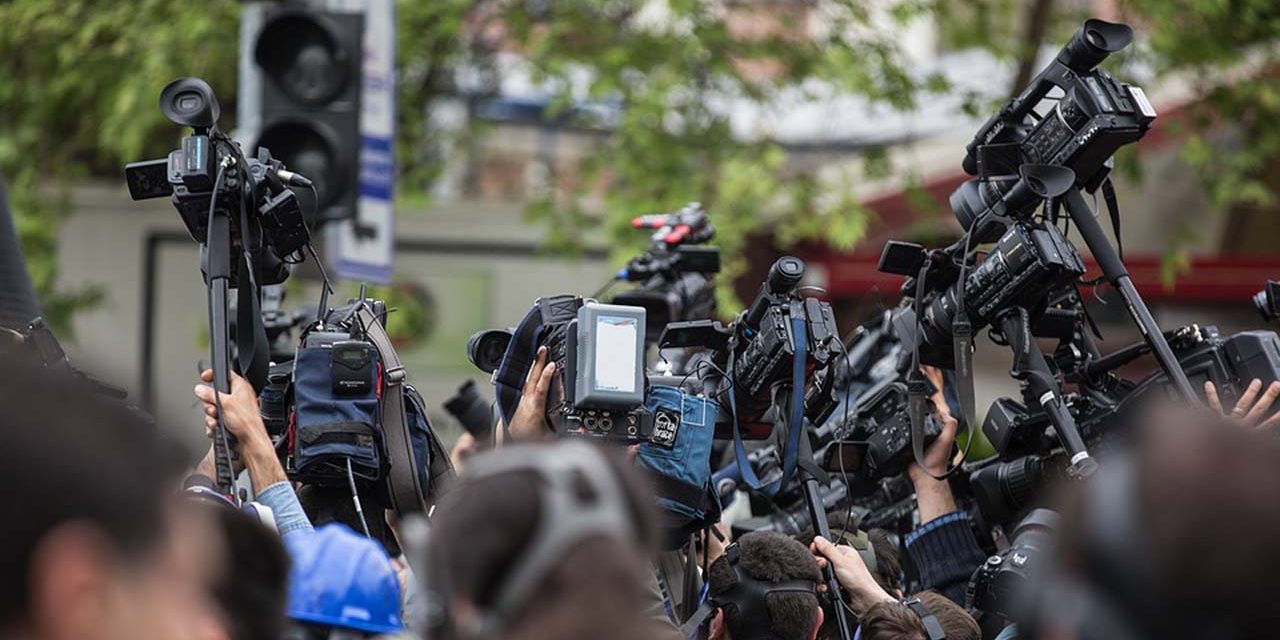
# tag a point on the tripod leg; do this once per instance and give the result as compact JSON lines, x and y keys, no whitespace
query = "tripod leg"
{"x":1114,"y":271}
{"x":1030,"y":366}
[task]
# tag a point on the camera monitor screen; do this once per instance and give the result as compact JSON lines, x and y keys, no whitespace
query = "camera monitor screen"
{"x":615,"y":353}
{"x":610,"y":356}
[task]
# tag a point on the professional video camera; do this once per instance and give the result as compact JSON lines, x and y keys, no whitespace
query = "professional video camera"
{"x":246,"y":219}
{"x":599,"y":387}
{"x":675,"y":273}
{"x":782,"y":339}
{"x":773,"y":364}
{"x":208,"y":176}
{"x":1021,"y":160}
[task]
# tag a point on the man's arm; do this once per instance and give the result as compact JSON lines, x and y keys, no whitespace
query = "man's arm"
{"x":943,"y":550}
{"x":242,"y":418}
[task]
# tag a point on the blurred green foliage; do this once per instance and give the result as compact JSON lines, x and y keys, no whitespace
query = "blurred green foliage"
{"x":79,"y":81}
{"x":672,"y":67}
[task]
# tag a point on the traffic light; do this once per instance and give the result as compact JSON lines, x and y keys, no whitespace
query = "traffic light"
{"x":310,"y":63}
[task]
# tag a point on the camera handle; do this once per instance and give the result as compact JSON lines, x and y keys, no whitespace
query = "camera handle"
{"x":1030,"y":367}
{"x":1114,"y":271}
{"x":810,"y":473}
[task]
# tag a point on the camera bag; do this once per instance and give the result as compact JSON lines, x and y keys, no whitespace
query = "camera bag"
{"x":347,"y":409}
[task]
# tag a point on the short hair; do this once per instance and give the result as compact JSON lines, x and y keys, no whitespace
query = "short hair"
{"x":69,"y":453}
{"x":888,"y":571}
{"x":252,"y":589}
{"x":598,"y":589}
{"x":894,"y":621}
{"x":774,"y":557}
{"x":324,"y":505}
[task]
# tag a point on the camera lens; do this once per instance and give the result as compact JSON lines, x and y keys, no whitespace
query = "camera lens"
{"x":486,"y":348}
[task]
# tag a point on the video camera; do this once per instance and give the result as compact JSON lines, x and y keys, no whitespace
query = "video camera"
{"x":599,"y":388}
{"x":1094,"y":116}
{"x":759,"y":351}
{"x":675,"y":273}
{"x":209,"y":173}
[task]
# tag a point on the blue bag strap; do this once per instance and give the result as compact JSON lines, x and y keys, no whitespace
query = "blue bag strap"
{"x":796,"y":425}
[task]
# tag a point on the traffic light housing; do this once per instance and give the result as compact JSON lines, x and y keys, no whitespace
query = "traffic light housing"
{"x":310,"y":62}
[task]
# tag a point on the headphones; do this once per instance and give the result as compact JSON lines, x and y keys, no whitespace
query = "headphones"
{"x":932,"y":628}
{"x":567,"y":516}
{"x":745,"y":609}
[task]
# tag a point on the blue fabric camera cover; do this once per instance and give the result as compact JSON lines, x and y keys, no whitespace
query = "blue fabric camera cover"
{"x":329,"y":427}
{"x":683,"y":490}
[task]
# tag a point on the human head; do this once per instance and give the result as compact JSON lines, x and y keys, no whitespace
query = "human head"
{"x":896,"y":621}
{"x":1175,"y":540}
{"x":887,"y":568}
{"x":87,"y":550}
{"x":486,"y":532}
{"x":340,"y":582}
{"x":250,"y":582}
{"x":773,"y":558}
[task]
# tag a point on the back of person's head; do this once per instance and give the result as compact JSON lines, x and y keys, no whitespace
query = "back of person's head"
{"x":250,"y":585}
{"x":488,"y":529}
{"x":86,"y":483}
{"x":340,"y":581}
{"x":896,"y":621}
{"x":1176,"y":540}
{"x":844,"y":526}
{"x":325,"y":505}
{"x":774,"y":558}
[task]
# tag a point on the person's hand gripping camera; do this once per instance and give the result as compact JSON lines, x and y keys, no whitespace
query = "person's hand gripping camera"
{"x":241,"y":416}
{"x":529,"y":422}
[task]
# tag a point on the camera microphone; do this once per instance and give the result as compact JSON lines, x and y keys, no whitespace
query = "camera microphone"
{"x":291,"y":178}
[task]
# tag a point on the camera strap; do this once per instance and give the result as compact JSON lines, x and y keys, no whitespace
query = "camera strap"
{"x":932,"y":628}
{"x":795,"y":427}
{"x":407,"y":496}
{"x":251,"y":335}
{"x":522,"y":351}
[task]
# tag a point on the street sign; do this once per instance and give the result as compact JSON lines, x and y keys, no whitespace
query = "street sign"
{"x":363,"y":248}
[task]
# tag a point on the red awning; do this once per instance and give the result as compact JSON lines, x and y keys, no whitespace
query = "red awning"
{"x":1209,"y":280}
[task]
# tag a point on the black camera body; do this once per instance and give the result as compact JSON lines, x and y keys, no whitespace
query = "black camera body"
{"x":209,"y":172}
{"x":1002,"y":586}
{"x":1231,"y":363}
{"x":675,"y":273}
{"x":758,"y":351}
{"x":1029,"y":260}
{"x":1095,"y":116}
{"x":876,"y":442}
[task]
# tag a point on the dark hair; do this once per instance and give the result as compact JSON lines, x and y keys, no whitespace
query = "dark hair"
{"x":888,"y":572}
{"x":774,"y":557}
{"x":252,"y":588}
{"x":333,"y":504}
{"x":894,"y":621}
{"x":599,"y":589}
{"x":68,"y":453}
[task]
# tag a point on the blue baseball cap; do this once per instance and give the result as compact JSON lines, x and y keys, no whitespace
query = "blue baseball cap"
{"x":342,"y":579}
